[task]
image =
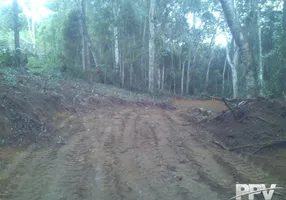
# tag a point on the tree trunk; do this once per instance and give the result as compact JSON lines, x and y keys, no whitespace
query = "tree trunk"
{"x":223,"y":75}
{"x":243,"y":45}
{"x":159,"y":78}
{"x":208,"y":71}
{"x":16,"y":32}
{"x":31,"y":29}
{"x":151,"y":47}
{"x":211,"y":58}
{"x":122,"y":72}
{"x":132,"y":61}
{"x":284,"y":15}
{"x":116,"y":49}
{"x":233,"y":65}
{"x":85,"y":53}
{"x":115,"y":35}
{"x":180,"y":62}
{"x":131,"y":75}
{"x":173,"y":72}
{"x":33,"y":33}
{"x":188,"y":72}
{"x":163,"y":76}
{"x":16,"y":24}
{"x":83,"y":50}
{"x":91,"y":49}
{"x":193,"y":61}
{"x":143,"y":57}
{"x":189,"y":62}
{"x":260,"y":57}
{"x":182,"y":78}
{"x":284,"y":35}
{"x":254,"y":27}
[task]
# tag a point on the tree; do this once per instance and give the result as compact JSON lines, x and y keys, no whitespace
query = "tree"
{"x":233,"y":66}
{"x":242,"y":43}
{"x":116,"y":10}
{"x":16,"y":32}
{"x":164,"y":44}
{"x":84,"y":51}
{"x":284,"y":29}
{"x":284,"y":15}
{"x":151,"y":46}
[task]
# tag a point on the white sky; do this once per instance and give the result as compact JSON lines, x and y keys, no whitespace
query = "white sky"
{"x":33,"y":8}
{"x":36,"y":9}
{"x":220,"y":37}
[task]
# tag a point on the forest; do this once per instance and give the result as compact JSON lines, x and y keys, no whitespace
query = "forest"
{"x":224,"y":48}
{"x":142,"y":99}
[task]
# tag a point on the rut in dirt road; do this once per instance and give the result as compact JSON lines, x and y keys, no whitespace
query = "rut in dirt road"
{"x":122,"y":153}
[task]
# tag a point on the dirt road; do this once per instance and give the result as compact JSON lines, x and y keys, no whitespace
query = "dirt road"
{"x":126,"y":153}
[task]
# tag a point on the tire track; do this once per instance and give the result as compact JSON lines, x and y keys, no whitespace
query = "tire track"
{"x":35,"y":170}
{"x":111,"y":170}
{"x":237,"y":168}
{"x":165,"y":179}
{"x":129,"y":153}
{"x":208,"y":172}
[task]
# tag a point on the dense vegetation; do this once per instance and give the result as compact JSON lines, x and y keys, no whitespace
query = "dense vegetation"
{"x":162,"y":46}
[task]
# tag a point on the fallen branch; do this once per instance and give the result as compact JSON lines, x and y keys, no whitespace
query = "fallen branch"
{"x":194,"y":123}
{"x":241,"y":147}
{"x":228,"y":106}
{"x":234,"y":100}
{"x":220,"y":145}
{"x":268,"y":145}
{"x":262,"y":119}
{"x":73,"y":102}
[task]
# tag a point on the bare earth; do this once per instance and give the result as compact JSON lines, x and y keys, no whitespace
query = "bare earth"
{"x":126,"y":152}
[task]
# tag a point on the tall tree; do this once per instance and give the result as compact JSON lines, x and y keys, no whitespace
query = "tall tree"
{"x":284,"y":35}
{"x":260,"y":54}
{"x":242,"y":43}
{"x":151,"y":46}
{"x":284,"y":15}
{"x":17,"y":31}
{"x":233,"y":66}
{"x":116,"y":10}
{"x":84,"y":31}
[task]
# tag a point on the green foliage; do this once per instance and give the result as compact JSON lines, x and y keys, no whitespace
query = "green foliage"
{"x":275,"y":61}
{"x":59,"y":44}
{"x":72,"y":40}
{"x":6,"y":58}
{"x":8,"y":75}
{"x":4,"y":44}
{"x":6,"y":19}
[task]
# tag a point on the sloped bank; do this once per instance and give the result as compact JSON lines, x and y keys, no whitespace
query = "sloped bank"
{"x":32,"y":109}
{"x":259,"y":134}
{"x":262,"y":124}
{"x":29,"y":116}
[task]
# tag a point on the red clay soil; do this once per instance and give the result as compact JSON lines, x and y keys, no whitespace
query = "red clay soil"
{"x":126,"y":152}
{"x":108,"y":148}
{"x":262,"y":123}
{"x":260,"y":135}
